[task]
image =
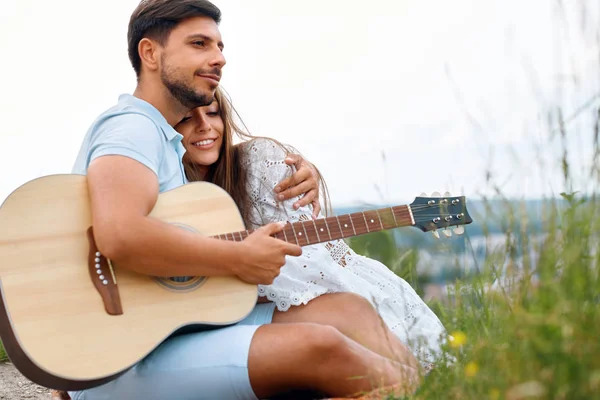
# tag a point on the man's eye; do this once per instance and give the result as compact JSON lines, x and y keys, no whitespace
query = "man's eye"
{"x":199,"y":42}
{"x":185,"y":119}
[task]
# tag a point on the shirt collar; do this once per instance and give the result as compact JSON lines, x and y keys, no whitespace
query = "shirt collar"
{"x":169,"y":132}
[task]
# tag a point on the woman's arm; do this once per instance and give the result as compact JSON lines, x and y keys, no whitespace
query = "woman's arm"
{"x":265,"y":164}
{"x":305,"y":180}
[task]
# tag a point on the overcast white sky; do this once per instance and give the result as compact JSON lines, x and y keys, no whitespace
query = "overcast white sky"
{"x":446,"y":89}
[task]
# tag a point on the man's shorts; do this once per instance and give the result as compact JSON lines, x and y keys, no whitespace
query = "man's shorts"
{"x":208,"y":365}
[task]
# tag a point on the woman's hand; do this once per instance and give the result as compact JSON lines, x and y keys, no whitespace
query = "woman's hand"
{"x":303,"y":181}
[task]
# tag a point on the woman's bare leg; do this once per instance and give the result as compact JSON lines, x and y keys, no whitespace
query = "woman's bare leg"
{"x":284,"y":357}
{"x":356,"y":318}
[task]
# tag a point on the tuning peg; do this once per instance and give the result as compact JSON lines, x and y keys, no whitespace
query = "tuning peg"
{"x":436,"y":194}
{"x":459,"y":230}
{"x":447,"y":232}
{"x":436,"y":234}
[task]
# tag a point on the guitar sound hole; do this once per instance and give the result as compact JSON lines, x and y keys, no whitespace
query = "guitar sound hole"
{"x":181,"y":283}
{"x":180,"y":279}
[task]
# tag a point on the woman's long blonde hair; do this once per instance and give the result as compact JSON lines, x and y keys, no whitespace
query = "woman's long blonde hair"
{"x":227,"y":171}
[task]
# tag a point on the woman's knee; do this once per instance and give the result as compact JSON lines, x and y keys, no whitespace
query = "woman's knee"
{"x":353,"y":302}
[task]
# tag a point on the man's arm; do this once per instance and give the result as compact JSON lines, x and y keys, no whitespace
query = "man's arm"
{"x":124,"y":191}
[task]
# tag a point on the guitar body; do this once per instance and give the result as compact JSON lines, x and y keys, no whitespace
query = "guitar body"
{"x":53,"y":322}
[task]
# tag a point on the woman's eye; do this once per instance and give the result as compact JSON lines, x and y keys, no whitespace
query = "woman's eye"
{"x":213,"y":113}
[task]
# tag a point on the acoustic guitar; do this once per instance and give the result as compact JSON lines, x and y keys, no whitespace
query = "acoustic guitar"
{"x":70,"y":319}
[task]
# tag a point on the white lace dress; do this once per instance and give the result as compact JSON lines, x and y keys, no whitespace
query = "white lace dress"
{"x":331,"y":267}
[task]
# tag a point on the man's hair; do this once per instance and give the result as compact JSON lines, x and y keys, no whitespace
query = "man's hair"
{"x":155,"y":19}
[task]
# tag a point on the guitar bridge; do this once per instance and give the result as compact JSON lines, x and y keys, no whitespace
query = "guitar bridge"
{"x":103,"y":277}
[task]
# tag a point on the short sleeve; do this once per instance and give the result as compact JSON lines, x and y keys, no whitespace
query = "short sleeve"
{"x":131,"y":135}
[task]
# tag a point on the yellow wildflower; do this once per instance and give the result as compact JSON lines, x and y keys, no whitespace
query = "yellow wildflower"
{"x":494,"y":394}
{"x":471,"y":369}
{"x":458,"y":339}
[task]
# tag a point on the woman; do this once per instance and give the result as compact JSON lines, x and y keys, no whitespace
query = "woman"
{"x":249,"y":172}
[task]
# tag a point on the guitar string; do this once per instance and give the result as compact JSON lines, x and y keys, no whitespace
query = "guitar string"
{"x":336,"y":232}
{"x":404,"y":220}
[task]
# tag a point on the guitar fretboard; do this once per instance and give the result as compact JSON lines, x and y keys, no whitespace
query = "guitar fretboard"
{"x":315,"y":231}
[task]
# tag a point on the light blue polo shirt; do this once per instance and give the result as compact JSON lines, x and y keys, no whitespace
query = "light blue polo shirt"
{"x":136,"y":129}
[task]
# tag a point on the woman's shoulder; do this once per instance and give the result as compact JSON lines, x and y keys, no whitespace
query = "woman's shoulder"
{"x":261,"y":148}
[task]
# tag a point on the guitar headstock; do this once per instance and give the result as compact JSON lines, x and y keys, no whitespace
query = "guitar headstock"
{"x":440,"y":212}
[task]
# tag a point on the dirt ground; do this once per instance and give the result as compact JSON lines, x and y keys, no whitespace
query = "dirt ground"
{"x":14,"y":386}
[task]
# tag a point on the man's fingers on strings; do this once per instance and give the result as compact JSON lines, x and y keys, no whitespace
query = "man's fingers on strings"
{"x":272,"y":228}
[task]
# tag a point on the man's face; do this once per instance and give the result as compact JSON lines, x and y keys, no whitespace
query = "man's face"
{"x":192,"y":60}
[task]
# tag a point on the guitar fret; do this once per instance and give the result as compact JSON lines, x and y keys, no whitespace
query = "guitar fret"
{"x":340,"y":225}
{"x":376,"y":214}
{"x":284,"y":234}
{"x":328,"y":231}
{"x":305,"y":233}
{"x":316,"y":230}
{"x":295,"y":234}
{"x":348,"y":229}
{"x":410,"y":213}
{"x":394,"y":215}
{"x":379,"y":216}
{"x":322,"y":224}
{"x":352,"y":223}
{"x":366,"y":224}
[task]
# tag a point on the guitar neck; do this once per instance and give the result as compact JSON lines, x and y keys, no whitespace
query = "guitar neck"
{"x":315,"y":231}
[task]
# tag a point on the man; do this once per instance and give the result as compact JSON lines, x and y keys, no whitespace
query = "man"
{"x":132,"y":153}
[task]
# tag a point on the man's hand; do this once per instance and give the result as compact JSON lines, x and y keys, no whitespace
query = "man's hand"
{"x":303,"y":181}
{"x":264,"y":255}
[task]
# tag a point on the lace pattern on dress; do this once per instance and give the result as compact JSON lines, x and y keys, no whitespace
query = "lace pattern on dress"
{"x":332,"y":266}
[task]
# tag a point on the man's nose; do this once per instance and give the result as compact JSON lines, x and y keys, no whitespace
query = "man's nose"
{"x":218,"y":59}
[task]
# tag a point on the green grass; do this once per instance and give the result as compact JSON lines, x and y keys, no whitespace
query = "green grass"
{"x":3,"y":356}
{"x":539,"y":336}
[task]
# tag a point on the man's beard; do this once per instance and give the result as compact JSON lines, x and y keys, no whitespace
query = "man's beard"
{"x":182,"y":92}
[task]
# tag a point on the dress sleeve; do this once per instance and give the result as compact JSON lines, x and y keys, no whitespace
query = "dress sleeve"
{"x":264,"y":163}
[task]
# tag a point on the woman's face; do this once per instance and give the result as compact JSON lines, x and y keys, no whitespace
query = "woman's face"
{"x":202,"y":130}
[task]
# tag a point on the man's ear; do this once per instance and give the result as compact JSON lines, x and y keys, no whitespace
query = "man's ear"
{"x":149,"y":54}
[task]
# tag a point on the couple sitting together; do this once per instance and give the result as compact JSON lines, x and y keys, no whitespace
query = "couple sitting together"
{"x":328,"y":322}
